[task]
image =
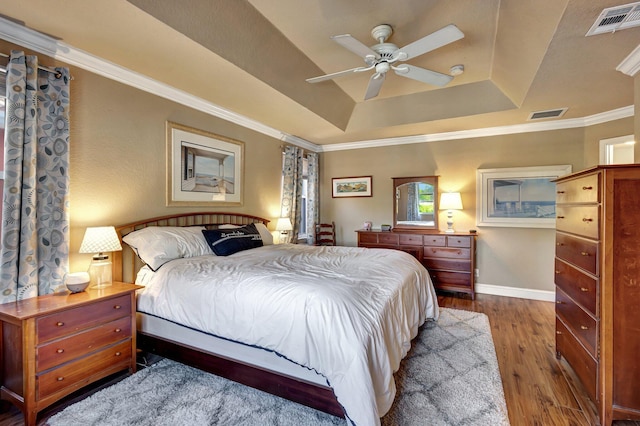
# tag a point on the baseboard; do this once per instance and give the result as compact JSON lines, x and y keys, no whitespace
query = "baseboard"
{"x":521,"y":293}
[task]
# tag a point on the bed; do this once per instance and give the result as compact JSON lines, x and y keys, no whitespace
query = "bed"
{"x":322,"y":326}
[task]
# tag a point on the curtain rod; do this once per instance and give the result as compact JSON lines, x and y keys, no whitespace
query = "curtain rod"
{"x":51,"y":70}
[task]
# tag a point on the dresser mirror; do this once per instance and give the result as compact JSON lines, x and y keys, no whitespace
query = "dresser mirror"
{"x":415,"y":202}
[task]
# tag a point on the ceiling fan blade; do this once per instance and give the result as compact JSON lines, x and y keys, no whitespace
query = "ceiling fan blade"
{"x":354,"y":45}
{"x":337,"y":74}
{"x":423,"y":75}
{"x":437,"y":39}
{"x":375,"y":83}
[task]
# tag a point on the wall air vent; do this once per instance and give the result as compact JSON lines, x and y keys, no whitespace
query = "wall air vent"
{"x":616,"y":18}
{"x":550,"y":113}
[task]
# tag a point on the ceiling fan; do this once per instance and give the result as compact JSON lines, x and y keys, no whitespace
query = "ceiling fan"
{"x":384,"y":56}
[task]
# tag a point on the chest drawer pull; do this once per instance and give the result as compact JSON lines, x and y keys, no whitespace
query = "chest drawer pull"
{"x":584,"y":289}
{"x":117,"y":307}
{"x":584,"y":327}
{"x":117,"y":330}
{"x":60,"y":351}
{"x":59,"y":324}
{"x":559,"y":217}
{"x":586,"y":219}
{"x":559,"y":302}
{"x":559,"y":192}
{"x":587,"y":188}
{"x":584,"y":253}
{"x":60,"y":379}
{"x":558,"y":332}
{"x":118,"y":353}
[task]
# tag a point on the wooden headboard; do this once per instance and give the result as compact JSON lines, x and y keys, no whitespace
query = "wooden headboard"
{"x":126,"y":263}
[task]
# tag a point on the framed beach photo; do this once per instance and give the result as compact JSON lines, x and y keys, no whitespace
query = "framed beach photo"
{"x":203,"y":169}
{"x":522,"y":197}
{"x":359,"y":186}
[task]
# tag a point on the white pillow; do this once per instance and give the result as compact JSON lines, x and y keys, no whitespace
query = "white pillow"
{"x":157,"y":245}
{"x":265,"y":234}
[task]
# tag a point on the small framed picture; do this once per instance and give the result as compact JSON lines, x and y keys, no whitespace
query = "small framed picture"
{"x":359,"y":186}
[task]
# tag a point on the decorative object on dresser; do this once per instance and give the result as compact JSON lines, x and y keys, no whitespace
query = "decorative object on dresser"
{"x":56,"y":344}
{"x":100,"y":240}
{"x":450,"y":201}
{"x":78,"y":281}
{"x":449,"y":258}
{"x":415,"y":202}
{"x":597,"y":276}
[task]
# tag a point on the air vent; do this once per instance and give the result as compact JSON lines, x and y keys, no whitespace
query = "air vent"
{"x":550,"y":113}
{"x":616,"y":18}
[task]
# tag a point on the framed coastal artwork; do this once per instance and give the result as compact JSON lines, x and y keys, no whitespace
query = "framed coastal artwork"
{"x":359,"y":186}
{"x":522,"y":197}
{"x":203,"y":169}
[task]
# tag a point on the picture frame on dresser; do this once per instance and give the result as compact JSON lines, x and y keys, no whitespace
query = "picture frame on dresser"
{"x":521,"y":197}
{"x":203,"y":169}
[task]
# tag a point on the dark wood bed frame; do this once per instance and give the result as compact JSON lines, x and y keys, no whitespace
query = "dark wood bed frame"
{"x":125,"y":266}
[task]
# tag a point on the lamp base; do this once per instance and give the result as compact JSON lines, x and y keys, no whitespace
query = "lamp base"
{"x":100,"y":272}
{"x":449,"y":222}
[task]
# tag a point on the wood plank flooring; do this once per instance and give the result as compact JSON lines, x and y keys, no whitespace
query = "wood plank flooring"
{"x":536,"y":390}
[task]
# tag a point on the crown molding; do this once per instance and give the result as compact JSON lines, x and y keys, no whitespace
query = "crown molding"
{"x":631,"y":64}
{"x":42,"y":43}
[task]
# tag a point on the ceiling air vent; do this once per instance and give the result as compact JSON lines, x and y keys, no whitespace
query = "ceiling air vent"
{"x":616,"y":18}
{"x":550,"y":113}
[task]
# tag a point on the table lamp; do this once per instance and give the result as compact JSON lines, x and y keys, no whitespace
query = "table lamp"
{"x":284,"y":226}
{"x":450,"y":201}
{"x":100,"y":240}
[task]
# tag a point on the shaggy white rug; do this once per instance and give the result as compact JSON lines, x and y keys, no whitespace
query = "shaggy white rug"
{"x":450,"y":377}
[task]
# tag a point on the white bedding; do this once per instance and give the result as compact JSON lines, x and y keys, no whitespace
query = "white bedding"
{"x":348,"y":313}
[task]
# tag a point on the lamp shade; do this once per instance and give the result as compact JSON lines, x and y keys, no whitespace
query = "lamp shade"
{"x":100,"y":239}
{"x":450,"y":201}
{"x":284,"y":224}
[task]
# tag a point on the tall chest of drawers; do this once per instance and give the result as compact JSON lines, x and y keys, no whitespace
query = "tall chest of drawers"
{"x":56,"y":344}
{"x":597,"y":277}
{"x":449,"y":258}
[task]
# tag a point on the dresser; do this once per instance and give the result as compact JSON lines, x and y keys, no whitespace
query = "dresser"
{"x":56,"y":344}
{"x":449,"y":257}
{"x":597,"y":277}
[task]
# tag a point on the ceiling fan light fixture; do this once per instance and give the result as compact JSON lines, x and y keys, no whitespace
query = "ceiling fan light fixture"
{"x":456,"y":70}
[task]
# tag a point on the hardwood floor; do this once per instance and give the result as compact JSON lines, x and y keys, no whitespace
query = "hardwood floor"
{"x":536,"y":390}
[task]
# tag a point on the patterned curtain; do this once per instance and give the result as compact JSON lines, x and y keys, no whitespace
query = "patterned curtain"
{"x":312,"y":194}
{"x":292,"y":189}
{"x":413,"y":202}
{"x":35,"y":227}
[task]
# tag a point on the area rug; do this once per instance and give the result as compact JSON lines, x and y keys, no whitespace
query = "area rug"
{"x":450,"y":377}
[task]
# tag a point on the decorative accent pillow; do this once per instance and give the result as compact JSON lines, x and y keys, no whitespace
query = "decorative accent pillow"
{"x":157,"y":245}
{"x":267,"y":236}
{"x":225,"y":242}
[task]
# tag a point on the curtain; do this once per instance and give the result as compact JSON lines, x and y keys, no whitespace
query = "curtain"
{"x":413,"y":202}
{"x":312,"y":194}
{"x":35,"y":224}
{"x":292,"y":189}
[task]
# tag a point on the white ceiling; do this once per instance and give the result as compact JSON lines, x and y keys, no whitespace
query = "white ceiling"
{"x":252,"y":57}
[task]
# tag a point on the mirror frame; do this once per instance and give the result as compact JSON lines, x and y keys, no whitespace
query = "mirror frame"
{"x":432,"y":180}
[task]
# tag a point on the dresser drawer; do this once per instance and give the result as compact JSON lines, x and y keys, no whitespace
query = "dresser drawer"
{"x":81,"y":370}
{"x":435,"y":240}
{"x":367,"y":238}
{"x":454,"y":241}
{"x":583,"y":326}
{"x":580,"y":220}
{"x":585,"y":367}
{"x":578,"y":251}
{"x":388,"y":238}
{"x":449,"y":253}
{"x":73,"y":320}
{"x":447,"y":264}
{"x":581,"y":190}
{"x":60,"y":351}
{"x":579,"y":286}
{"x":459,"y":279}
{"x":410,"y":239}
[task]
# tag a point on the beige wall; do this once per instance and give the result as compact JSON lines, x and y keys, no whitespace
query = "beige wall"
{"x":118,"y":158}
{"x":511,"y":257}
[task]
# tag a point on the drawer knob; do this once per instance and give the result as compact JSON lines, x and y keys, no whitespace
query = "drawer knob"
{"x":558,"y":332}
{"x":60,"y":379}
{"x":584,"y":289}
{"x":117,"y":330}
{"x":60,"y":351}
{"x":586,"y":219}
{"x":557,"y":272}
{"x":558,"y":302}
{"x":560,"y":217}
{"x":587,"y":188}
{"x":117,"y":307}
{"x":118,"y":353}
{"x":59,"y":324}
{"x":584,"y":253}
{"x":559,"y":192}
{"x":584,"y":327}
{"x":560,"y":244}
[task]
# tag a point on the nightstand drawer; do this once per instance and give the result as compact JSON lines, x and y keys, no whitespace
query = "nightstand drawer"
{"x":85,"y":370}
{"x":73,"y":320}
{"x":578,"y":251}
{"x":60,"y":351}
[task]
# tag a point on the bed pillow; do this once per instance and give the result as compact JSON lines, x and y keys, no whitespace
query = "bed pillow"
{"x":157,"y":245}
{"x":267,"y":237}
{"x":225,"y":242}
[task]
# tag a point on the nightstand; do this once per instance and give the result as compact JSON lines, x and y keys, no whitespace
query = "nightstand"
{"x":56,"y":344}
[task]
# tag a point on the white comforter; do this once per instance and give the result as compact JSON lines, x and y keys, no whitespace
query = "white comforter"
{"x":348,"y":313}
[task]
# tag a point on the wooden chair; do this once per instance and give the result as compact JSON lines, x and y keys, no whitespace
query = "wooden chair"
{"x":326,"y":234}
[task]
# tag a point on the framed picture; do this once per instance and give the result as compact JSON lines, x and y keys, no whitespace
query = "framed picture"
{"x":522,"y":197}
{"x":359,"y":186}
{"x":203,"y":169}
